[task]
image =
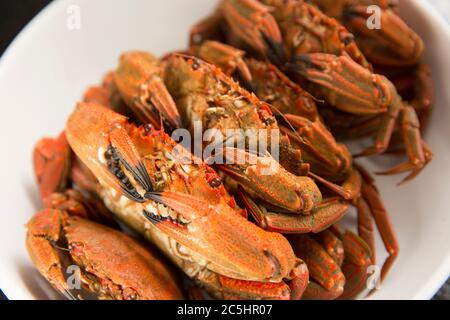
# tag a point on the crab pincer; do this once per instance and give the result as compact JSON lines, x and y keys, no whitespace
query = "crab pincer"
{"x":138,"y":79}
{"x":392,"y":43}
{"x":51,"y":160}
{"x":354,"y":89}
{"x":78,"y":256}
{"x":253,"y":22}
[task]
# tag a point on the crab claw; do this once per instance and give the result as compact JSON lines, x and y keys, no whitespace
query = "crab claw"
{"x":327,"y":278}
{"x":238,"y":248}
{"x":51,"y":160}
{"x":267,"y":179}
{"x":229,"y":288}
{"x":327,"y":213}
{"x":110,"y":263}
{"x":319,"y":147}
{"x":344,"y":83}
{"x":84,"y":205}
{"x":43,"y":254}
{"x":393,"y":44}
{"x":138,"y":78}
{"x":254,"y":24}
{"x":113,"y":149}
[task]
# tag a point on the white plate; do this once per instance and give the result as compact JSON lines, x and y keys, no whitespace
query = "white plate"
{"x":48,"y":66}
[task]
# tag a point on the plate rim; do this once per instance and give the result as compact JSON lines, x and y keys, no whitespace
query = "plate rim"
{"x":441,"y":273}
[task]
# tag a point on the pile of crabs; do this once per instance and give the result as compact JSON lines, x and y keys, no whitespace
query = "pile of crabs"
{"x":311,"y":70}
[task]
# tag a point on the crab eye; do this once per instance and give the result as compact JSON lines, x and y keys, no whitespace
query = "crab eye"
{"x":195,"y":65}
{"x":215,"y":182}
{"x":148,"y":128}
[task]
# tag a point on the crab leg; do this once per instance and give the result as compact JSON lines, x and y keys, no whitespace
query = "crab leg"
{"x":345,"y":84}
{"x":44,"y":229}
{"x":404,"y":46}
{"x":419,"y":154}
{"x":317,"y":144}
{"x":358,"y":257}
{"x":350,"y":188}
{"x":327,"y":213}
{"x":229,"y":288}
{"x":384,"y":225}
{"x":415,"y":86}
{"x":365,"y":225}
{"x":221,"y":286}
{"x":252,"y":21}
{"x":331,"y":242}
{"x":391,"y":42}
{"x":107,"y":94}
{"x":138,"y":78}
{"x":351,"y":253}
{"x":228,"y":58}
{"x":51,"y":160}
{"x":264,"y":177}
{"x":200,"y":216}
{"x":327,"y":278}
{"x":122,"y":150}
{"x":189,"y":216}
